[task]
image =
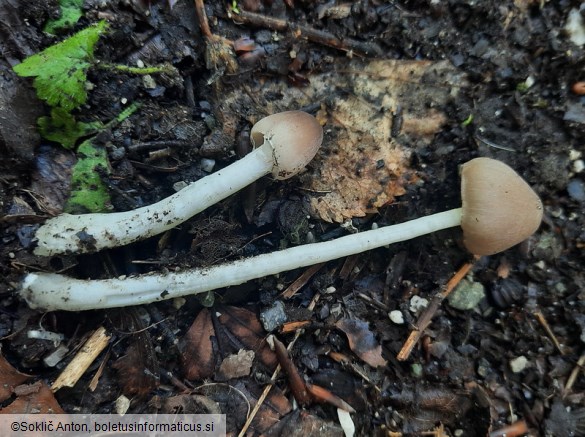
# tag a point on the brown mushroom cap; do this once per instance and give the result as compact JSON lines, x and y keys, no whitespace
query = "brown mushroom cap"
{"x":295,"y":137}
{"x":499,"y":208}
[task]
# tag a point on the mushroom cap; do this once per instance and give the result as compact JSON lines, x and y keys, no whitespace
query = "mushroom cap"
{"x":294,"y":136}
{"x":499,"y":208}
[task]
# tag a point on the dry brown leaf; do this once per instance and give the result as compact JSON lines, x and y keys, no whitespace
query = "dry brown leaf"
{"x":38,"y":400}
{"x":237,"y":328}
{"x":301,"y":422}
{"x":197,"y":355}
{"x":275,"y":406}
{"x":362,"y":341}
{"x":237,"y":400}
{"x":9,"y":379}
{"x":51,"y":178}
{"x":243,"y":326}
{"x":236,"y":365}
{"x":364,"y":167}
{"x":137,"y":375}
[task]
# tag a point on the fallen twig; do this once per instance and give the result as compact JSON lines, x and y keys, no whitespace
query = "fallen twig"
{"x":314,"y":35}
{"x":427,"y":315}
{"x":87,"y":354}
{"x":542,"y":320}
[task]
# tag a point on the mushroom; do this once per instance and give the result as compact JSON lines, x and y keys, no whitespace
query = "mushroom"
{"x":499,"y":210}
{"x":285,"y":142}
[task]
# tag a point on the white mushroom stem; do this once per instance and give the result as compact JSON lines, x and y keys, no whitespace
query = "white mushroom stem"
{"x":51,"y":292}
{"x":68,"y":233}
{"x":285,"y":141}
{"x":499,"y":210}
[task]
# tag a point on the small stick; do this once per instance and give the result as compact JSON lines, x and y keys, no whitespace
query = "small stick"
{"x":314,"y":35}
{"x":294,"y":326}
{"x":324,"y":395}
{"x":427,"y":315}
{"x":202,"y":17}
{"x":513,"y":430}
{"x":296,"y":382}
{"x":178,"y":383}
{"x":87,"y":354}
{"x":159,"y":144}
{"x":373,"y":302}
{"x":301,"y":281}
{"x":541,"y":319}
{"x":575,"y":373}
{"x":219,"y":53}
{"x":98,"y":374}
{"x":348,"y":266}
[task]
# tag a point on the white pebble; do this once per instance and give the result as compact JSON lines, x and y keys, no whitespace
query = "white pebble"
{"x":397,"y":317}
{"x":178,"y":186}
{"x":575,"y":154}
{"x":418,"y":304}
{"x":575,"y":27}
{"x":207,"y":164}
{"x":517,"y":365}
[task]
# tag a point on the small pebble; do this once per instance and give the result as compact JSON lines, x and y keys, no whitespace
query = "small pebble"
{"x":467,"y":295}
{"x":122,"y":404}
{"x":483,"y":368}
{"x":56,"y":356}
{"x":397,"y":317}
{"x":576,"y":189}
{"x":178,"y":186}
{"x":517,"y":365}
{"x":336,"y":310}
{"x":273,"y":317}
{"x":331,"y":289}
{"x":207,"y":164}
{"x":417,"y":304}
{"x":148,"y":82}
{"x":575,"y":154}
{"x":417,"y":370}
{"x":575,"y":27}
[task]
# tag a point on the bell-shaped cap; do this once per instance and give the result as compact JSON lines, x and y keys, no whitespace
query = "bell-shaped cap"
{"x":294,"y":136}
{"x":499,"y":208}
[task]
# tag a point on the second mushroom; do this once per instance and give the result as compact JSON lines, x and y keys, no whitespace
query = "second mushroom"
{"x":285,"y":143}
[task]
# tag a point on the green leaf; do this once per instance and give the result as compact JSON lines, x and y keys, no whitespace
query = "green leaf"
{"x":70,"y":13}
{"x":60,"y":70}
{"x":88,"y":192}
{"x":61,"y":127}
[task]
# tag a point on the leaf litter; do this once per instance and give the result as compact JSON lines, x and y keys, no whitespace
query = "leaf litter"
{"x":375,"y":113}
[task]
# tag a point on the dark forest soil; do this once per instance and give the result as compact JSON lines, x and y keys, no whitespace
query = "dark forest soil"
{"x":475,"y":371}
